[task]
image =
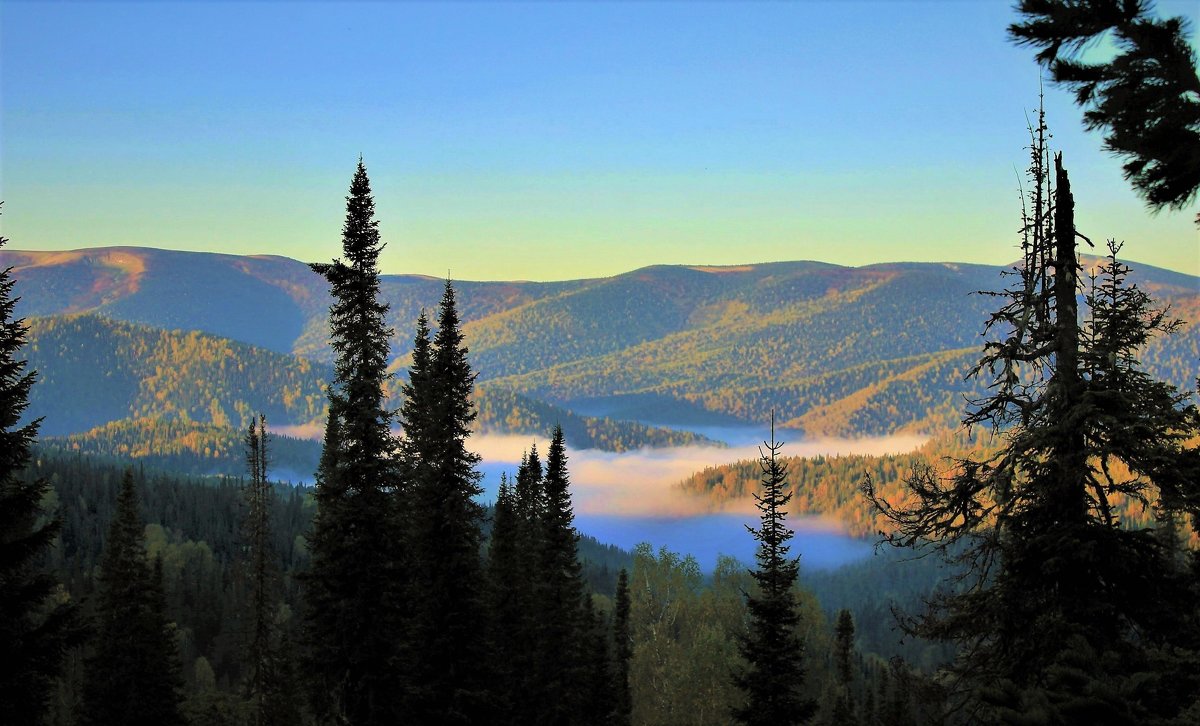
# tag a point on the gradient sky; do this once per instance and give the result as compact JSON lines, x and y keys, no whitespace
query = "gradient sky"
{"x":543,"y":141}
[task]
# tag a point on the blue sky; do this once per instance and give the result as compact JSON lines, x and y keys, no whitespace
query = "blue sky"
{"x":543,"y":141}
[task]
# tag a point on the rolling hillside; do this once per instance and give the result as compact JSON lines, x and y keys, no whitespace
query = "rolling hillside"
{"x":183,"y":399}
{"x":835,"y":350}
{"x":272,"y":302}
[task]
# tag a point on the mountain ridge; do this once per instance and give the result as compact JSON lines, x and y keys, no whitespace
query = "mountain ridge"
{"x":835,"y":350}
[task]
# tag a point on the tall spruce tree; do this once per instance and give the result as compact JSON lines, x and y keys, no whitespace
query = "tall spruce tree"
{"x":448,"y":586}
{"x":1069,"y":614}
{"x":132,"y":677}
{"x":507,"y":609}
{"x":353,"y":584}
{"x":517,"y":651}
{"x":529,"y":493}
{"x":35,"y":630}
{"x":772,"y":646}
{"x":269,"y":678}
{"x":559,"y":597}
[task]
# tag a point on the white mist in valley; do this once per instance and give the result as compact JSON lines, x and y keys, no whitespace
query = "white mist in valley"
{"x":631,"y":497}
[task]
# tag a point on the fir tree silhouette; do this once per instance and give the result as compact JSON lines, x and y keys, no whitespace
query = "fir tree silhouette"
{"x":269,"y":682}
{"x":448,"y":587}
{"x":1067,"y":614}
{"x":34,"y":630}
{"x":353,"y":588}
{"x":772,"y":646}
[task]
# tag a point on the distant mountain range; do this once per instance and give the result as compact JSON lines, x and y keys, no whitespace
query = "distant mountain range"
{"x":834,"y":350}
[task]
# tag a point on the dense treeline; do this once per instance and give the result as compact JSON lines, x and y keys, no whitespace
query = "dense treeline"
{"x":828,"y":485}
{"x":683,"y":624}
{"x":188,"y":447}
{"x":194,"y":525}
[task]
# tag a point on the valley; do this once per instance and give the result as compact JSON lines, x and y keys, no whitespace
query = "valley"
{"x":162,"y":357}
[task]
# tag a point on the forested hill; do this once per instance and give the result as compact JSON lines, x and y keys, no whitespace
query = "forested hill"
{"x":183,"y":399}
{"x":835,"y":350}
{"x":828,"y":486}
{"x":93,"y":371}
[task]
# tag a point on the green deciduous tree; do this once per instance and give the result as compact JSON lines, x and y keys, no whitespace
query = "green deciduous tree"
{"x":684,"y":638}
{"x":353,"y":587}
{"x":35,"y":626}
{"x":772,"y":646}
{"x":133,"y":674}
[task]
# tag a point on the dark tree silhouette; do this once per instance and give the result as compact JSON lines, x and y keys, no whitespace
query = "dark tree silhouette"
{"x":518,"y":621}
{"x":843,"y":642}
{"x":623,"y":651}
{"x":596,"y":700}
{"x":772,"y":646}
{"x":508,"y":610}
{"x":844,"y":711}
{"x":269,"y":680}
{"x":1066,"y":615}
{"x":559,"y":596}
{"x":352,"y":588}
{"x":448,"y":586}
{"x":133,"y":674}
{"x":34,"y":629}
{"x":529,"y":490}
{"x":1146,"y":98}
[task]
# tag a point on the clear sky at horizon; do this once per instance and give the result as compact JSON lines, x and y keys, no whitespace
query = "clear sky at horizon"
{"x":543,"y":141}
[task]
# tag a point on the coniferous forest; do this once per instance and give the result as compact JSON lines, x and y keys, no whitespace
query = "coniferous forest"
{"x":1037,"y":565}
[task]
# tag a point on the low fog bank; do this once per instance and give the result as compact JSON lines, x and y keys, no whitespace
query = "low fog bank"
{"x":645,"y":482}
{"x":633,"y":497}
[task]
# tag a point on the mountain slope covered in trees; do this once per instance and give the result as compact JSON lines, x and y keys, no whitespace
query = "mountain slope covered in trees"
{"x":836,"y":350}
{"x":183,"y":399}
